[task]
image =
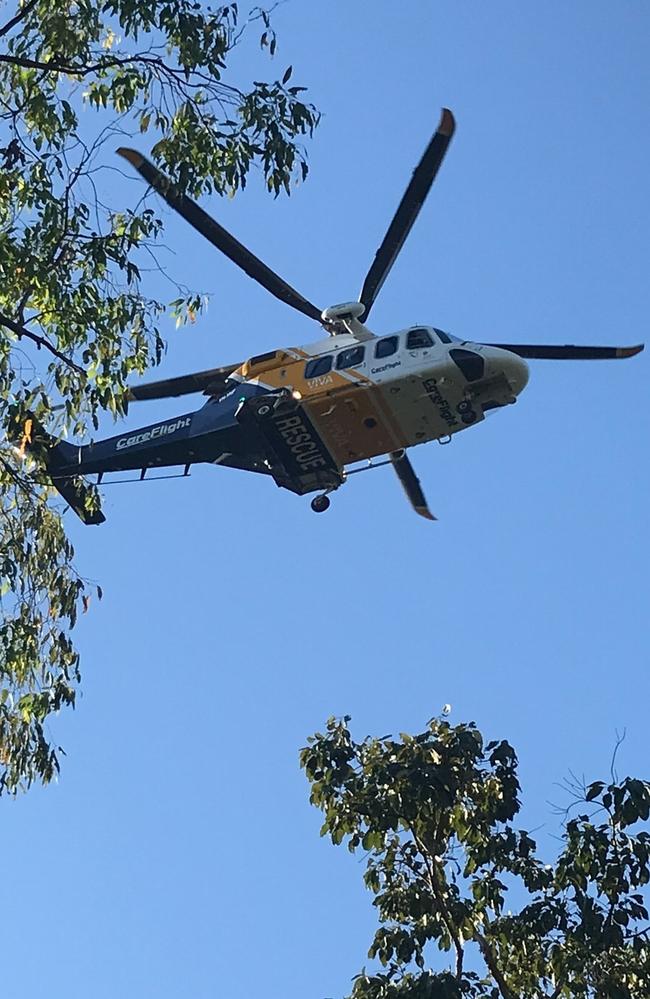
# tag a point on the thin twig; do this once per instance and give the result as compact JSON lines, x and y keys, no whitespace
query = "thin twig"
{"x":620,"y":739}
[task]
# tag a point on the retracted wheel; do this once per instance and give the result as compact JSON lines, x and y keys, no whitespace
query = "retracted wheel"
{"x":320,"y":504}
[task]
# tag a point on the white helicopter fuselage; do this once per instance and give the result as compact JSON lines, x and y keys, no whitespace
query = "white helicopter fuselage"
{"x":376,"y":396}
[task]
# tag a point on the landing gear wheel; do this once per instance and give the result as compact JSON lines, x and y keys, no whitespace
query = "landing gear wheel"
{"x":320,"y":504}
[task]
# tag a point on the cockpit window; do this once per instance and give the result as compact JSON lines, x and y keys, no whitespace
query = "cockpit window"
{"x":416,"y":339}
{"x":386,"y":347}
{"x":350,"y":358}
{"x":470,"y":363}
{"x":444,"y":336}
{"x":318,"y":366}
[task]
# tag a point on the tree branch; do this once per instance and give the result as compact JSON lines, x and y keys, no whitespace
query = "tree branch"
{"x":6,"y":28}
{"x":40,"y":341}
{"x":435,"y":891}
{"x":83,"y":70}
{"x":157,"y":66}
{"x":52,"y":66}
{"x":493,"y":967}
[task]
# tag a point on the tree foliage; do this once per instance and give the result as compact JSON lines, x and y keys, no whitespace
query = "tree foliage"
{"x":449,"y":869}
{"x":77,"y":79}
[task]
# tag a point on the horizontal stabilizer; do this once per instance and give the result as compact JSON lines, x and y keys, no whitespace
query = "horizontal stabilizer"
{"x":74,"y":492}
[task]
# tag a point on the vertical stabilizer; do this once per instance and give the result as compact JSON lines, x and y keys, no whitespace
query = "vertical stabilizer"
{"x":60,"y":459}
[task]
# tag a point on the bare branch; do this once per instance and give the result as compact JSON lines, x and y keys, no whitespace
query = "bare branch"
{"x":620,"y":739}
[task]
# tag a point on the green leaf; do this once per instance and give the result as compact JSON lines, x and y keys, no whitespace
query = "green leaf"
{"x":594,"y":790}
{"x":73,"y":263}
{"x":578,"y":920}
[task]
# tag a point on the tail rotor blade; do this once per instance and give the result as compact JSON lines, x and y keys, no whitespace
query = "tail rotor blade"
{"x":408,"y":210}
{"x":411,"y":483}
{"x":219,"y":236}
{"x":567,"y":352}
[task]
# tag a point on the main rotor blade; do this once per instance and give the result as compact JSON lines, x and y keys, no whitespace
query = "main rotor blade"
{"x":567,"y":352}
{"x":211,"y":381}
{"x":408,"y":210}
{"x":219,"y":236}
{"x":412,"y":488}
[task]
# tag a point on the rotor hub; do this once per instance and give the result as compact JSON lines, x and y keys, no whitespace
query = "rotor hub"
{"x":339,"y":313}
{"x":338,"y":318}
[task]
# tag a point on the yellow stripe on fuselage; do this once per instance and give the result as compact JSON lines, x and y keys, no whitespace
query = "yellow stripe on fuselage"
{"x":347,"y":408}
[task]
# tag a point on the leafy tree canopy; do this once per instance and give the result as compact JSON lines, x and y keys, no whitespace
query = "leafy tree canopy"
{"x":449,"y":869}
{"x":76,"y":78}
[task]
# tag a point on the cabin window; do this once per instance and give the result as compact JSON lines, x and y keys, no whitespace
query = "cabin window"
{"x":386,"y":347}
{"x":350,"y":358}
{"x":444,"y":336}
{"x":318,"y":366}
{"x":416,"y":339}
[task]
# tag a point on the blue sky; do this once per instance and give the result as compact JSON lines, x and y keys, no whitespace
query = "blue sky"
{"x":178,"y":854}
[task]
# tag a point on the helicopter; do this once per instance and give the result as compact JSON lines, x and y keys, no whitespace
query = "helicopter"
{"x":305,"y":415}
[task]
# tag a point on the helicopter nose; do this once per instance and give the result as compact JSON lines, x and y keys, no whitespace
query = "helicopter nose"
{"x":511,"y":366}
